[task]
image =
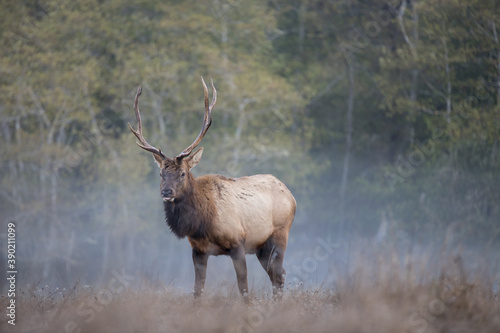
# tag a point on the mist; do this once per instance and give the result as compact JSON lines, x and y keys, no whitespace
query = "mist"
{"x":381,"y":118}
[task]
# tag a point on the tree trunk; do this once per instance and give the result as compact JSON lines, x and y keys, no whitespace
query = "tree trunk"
{"x":239,"y":129}
{"x":348,"y":142}
{"x":413,"y":49}
{"x":495,"y":38}
{"x":302,"y":30}
{"x":448,"y":81}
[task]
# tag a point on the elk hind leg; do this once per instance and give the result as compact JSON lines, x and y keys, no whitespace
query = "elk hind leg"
{"x":271,"y":257}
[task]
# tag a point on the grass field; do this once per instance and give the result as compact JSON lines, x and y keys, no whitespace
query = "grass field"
{"x":382,"y":300}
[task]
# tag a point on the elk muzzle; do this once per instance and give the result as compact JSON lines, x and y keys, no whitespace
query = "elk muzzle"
{"x":167,"y":195}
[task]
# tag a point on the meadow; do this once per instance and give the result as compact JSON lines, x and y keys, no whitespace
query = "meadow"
{"x":380,"y":295}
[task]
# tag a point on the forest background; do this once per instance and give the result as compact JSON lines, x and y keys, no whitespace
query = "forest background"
{"x":382,"y":117}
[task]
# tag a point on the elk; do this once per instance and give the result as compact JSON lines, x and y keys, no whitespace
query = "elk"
{"x":221,"y":215}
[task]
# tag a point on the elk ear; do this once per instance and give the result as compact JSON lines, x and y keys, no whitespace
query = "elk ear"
{"x":194,"y":159}
{"x":158,"y":160}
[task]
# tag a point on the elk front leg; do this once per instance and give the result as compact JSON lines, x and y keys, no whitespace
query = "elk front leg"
{"x":240,"y":266}
{"x":200,"y":271}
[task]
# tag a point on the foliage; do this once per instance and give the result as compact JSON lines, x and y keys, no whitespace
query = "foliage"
{"x":399,"y":98}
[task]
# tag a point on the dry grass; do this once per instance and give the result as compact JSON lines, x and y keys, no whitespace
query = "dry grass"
{"x":369,"y":301}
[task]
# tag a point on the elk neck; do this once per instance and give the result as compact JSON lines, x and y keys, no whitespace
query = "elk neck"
{"x":192,"y":214}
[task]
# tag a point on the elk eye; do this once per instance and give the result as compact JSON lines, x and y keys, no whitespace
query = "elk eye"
{"x":183,"y":174}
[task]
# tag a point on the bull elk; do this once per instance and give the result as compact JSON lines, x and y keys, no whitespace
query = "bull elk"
{"x":221,"y":215}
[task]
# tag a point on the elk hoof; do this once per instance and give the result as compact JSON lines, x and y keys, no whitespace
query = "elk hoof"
{"x":246,"y":299}
{"x":198,"y":293}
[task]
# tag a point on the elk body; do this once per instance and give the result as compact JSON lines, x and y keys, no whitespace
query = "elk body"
{"x":221,"y":215}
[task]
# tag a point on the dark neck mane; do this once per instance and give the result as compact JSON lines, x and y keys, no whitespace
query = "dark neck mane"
{"x":191,"y":215}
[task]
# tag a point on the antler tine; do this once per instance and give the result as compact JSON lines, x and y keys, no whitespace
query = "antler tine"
{"x":207,"y":120}
{"x":138,"y":134}
{"x":214,"y":96}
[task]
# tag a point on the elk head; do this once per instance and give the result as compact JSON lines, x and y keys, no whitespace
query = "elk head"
{"x":176,"y":179}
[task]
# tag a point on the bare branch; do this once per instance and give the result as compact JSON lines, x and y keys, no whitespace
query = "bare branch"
{"x":403,"y":29}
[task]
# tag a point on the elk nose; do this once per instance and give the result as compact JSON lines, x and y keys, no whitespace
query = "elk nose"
{"x":167,"y":193}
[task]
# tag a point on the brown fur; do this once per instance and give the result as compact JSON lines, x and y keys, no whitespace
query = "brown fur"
{"x":220,"y":215}
{"x":230,"y":216}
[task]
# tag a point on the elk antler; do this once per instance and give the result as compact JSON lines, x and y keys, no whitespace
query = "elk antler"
{"x":207,"y":121}
{"x":143,"y":143}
